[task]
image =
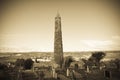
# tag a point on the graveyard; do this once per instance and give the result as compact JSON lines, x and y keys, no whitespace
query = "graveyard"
{"x":76,"y":70}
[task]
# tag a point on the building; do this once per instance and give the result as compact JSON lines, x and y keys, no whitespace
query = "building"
{"x":58,"y":46}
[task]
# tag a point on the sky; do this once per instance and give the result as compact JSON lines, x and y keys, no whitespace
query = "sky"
{"x":87,"y":25}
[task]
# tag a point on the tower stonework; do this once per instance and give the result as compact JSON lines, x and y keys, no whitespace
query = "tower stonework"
{"x":58,"y":46}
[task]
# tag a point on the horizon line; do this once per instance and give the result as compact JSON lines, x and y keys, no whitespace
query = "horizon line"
{"x":63,"y":52}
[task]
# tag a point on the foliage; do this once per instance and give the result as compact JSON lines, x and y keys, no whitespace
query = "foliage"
{"x":28,"y":63}
{"x":41,"y":75}
{"x":97,"y":56}
{"x":19,"y":62}
{"x":68,"y":61}
{"x":94,"y":59}
{"x":76,"y":67}
{"x":117,"y":63}
{"x":3,"y":66}
{"x":87,"y":63}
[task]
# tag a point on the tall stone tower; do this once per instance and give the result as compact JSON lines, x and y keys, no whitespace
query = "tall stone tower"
{"x":58,"y":47}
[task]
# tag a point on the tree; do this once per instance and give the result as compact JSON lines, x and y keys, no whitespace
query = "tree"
{"x":96,"y":57}
{"x":41,"y":75}
{"x":4,"y":75}
{"x":68,"y":61}
{"x":3,"y":66}
{"x":28,"y":63}
{"x":76,"y":67}
{"x":117,"y":63}
{"x":19,"y":62}
{"x":87,"y":63}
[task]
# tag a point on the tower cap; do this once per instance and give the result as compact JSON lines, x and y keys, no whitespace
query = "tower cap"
{"x":58,"y":15}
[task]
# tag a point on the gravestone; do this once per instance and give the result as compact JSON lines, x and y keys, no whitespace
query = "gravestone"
{"x":68,"y":72}
{"x":88,"y":70}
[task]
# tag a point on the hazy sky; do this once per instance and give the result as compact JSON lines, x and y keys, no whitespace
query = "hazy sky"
{"x":28,"y":25}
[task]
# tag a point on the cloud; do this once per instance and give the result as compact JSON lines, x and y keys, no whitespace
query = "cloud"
{"x":112,"y":44}
{"x":97,"y":43}
{"x":116,"y":37}
{"x":101,"y":45}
